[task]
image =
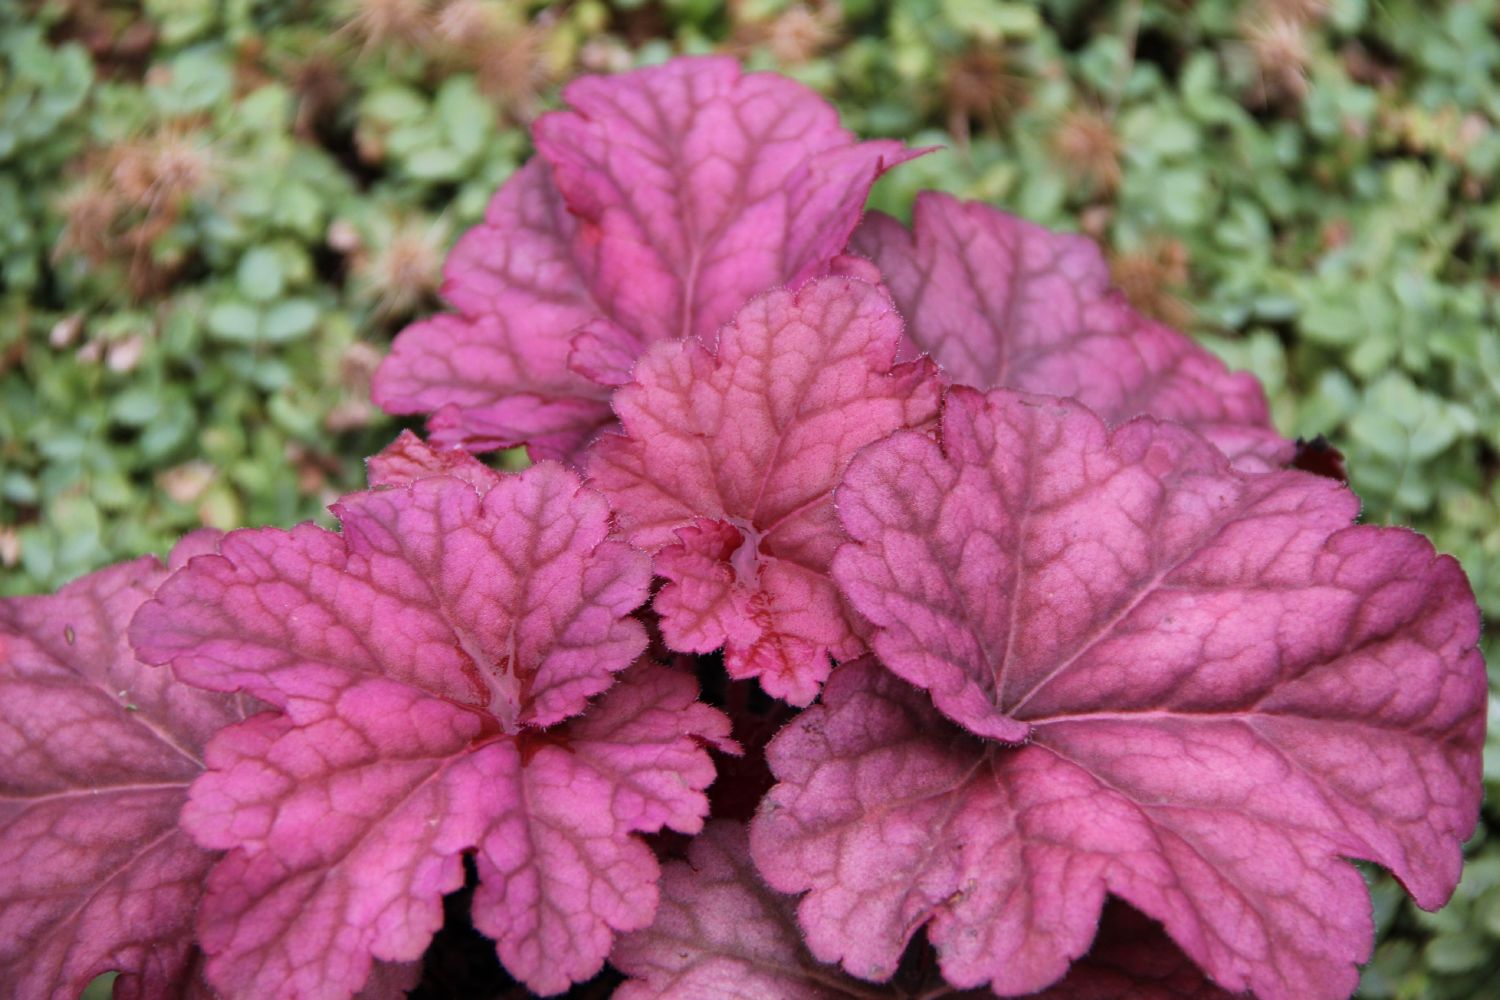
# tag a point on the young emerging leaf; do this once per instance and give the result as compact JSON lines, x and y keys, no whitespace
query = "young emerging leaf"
{"x":660,"y":203}
{"x":1001,"y":302}
{"x":727,"y":466}
{"x":416,"y":658}
{"x":409,"y":458}
{"x":1223,"y":690}
{"x":96,"y":753}
{"x":721,"y":933}
{"x":1132,"y":958}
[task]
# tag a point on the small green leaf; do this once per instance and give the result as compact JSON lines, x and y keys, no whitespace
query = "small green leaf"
{"x":234,"y":321}
{"x":260,"y":277}
{"x":290,"y":320}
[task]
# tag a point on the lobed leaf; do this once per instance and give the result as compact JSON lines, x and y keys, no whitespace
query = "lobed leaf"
{"x":515,"y":603}
{"x":495,"y":374}
{"x":659,"y":204}
{"x":416,"y":658}
{"x":409,"y":458}
{"x":727,"y":463}
{"x":96,"y":753}
{"x":721,"y":933}
{"x":1132,"y":958}
{"x":1000,"y":302}
{"x":1219,"y":690}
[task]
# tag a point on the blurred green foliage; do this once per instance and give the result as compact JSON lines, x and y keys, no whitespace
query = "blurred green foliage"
{"x":215,"y":213}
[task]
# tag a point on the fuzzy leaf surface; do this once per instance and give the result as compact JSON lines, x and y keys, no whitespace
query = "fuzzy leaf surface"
{"x":658,"y":204}
{"x":1000,"y":302}
{"x":96,"y":753}
{"x":417,"y":657}
{"x":1223,"y":690}
{"x":727,"y":464}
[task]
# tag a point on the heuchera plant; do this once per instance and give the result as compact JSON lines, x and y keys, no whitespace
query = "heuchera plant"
{"x":1081,"y":691}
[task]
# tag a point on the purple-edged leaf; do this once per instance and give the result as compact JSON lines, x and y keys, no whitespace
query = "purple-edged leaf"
{"x":721,"y":933}
{"x":727,"y":464}
{"x":96,"y":753}
{"x":658,"y":205}
{"x":1223,"y":691}
{"x":1001,"y":302}
{"x":417,"y":657}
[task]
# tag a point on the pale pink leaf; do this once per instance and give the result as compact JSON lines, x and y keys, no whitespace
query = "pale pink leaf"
{"x":96,"y":753}
{"x":727,"y":463}
{"x":1223,"y":690}
{"x":720,"y":932}
{"x":409,"y":458}
{"x":417,"y":656}
{"x":1001,"y":302}
{"x":1133,"y":959}
{"x":657,"y":206}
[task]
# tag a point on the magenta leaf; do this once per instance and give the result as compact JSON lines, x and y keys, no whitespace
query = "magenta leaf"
{"x":416,"y":657}
{"x":1222,"y":689}
{"x":727,"y":463}
{"x":1001,"y":302}
{"x":658,"y":205}
{"x":558,"y":876}
{"x":515,"y":603}
{"x":96,"y":753}
{"x":720,"y":932}
{"x":496,"y":373}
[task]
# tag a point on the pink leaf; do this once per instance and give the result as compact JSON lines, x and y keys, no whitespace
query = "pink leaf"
{"x":416,"y":658}
{"x":96,"y":753}
{"x":721,"y":933}
{"x":1223,"y":690}
{"x":1001,"y":302}
{"x":1132,"y":958}
{"x":496,"y":374}
{"x":697,"y":185}
{"x":727,"y":463}
{"x":558,"y":876}
{"x":680,"y":191}
{"x":515,"y":602}
{"x":409,"y":458}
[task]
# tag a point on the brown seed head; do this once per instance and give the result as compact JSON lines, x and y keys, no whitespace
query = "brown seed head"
{"x":381,"y":23}
{"x":1088,"y":149}
{"x":1279,"y":45}
{"x":1151,"y":277}
{"x":406,"y":268}
{"x":1303,"y":11}
{"x":467,"y":23}
{"x":510,"y":68}
{"x":800,"y":32}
